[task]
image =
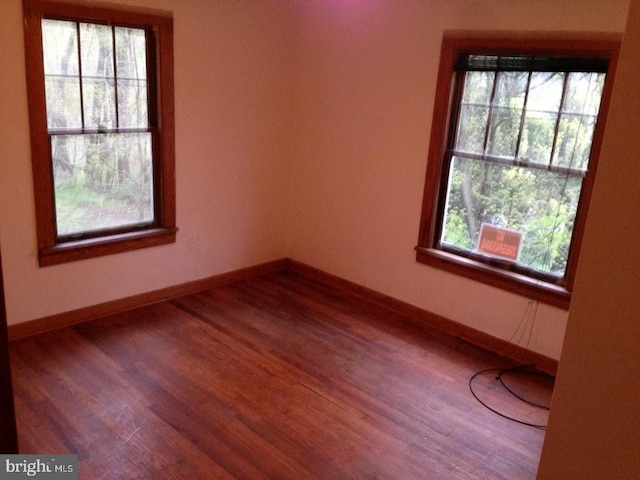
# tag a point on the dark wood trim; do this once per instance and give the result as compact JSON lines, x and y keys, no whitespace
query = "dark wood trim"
{"x":546,"y":43}
{"x":8,"y":430}
{"x":42,"y":169}
{"x":166,"y":103}
{"x":96,"y":11}
{"x":73,"y":317}
{"x":413,"y":313}
{"x":511,"y":281}
{"x":99,"y":246}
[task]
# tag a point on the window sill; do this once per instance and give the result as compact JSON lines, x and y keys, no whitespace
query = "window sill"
{"x":96,"y":247}
{"x":513,"y":282}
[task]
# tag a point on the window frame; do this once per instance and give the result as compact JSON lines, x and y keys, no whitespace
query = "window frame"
{"x":54,"y":250}
{"x":498,"y":273}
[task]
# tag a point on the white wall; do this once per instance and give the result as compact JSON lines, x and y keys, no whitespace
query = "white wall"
{"x":232,"y":94}
{"x":594,"y":426}
{"x":365,"y":82}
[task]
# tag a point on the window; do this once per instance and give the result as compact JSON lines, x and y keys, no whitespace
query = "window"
{"x":100,"y":89}
{"x":516,"y":132}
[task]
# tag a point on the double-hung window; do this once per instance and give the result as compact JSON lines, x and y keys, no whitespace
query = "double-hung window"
{"x":515,"y":139}
{"x":100,"y":86}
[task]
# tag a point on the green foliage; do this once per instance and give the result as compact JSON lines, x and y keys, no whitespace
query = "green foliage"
{"x":80,"y":209}
{"x":538,"y":203}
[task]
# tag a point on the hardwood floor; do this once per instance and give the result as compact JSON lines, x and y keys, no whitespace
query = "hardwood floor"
{"x":273,"y":377}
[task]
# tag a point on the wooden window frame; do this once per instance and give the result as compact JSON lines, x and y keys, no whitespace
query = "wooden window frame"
{"x":506,"y":43}
{"x":51,"y":249}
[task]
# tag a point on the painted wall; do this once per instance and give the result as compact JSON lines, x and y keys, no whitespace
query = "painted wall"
{"x":364,"y":89}
{"x":301,"y":130}
{"x":233,"y":95}
{"x":594,"y":426}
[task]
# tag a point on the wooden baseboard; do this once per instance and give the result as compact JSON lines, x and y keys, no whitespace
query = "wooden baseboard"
{"x":476,"y":337}
{"x":66,"y":319}
{"x":353,"y":290}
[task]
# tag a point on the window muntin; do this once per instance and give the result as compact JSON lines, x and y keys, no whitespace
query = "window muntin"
{"x":100,"y":91}
{"x":486,"y":55}
{"x":520,"y":151}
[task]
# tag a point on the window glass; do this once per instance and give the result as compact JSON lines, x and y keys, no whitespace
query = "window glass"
{"x":474,"y":112}
{"x":543,"y":103}
{"x":98,"y":86}
{"x":578,"y":120}
{"x":102,"y":181}
{"x":132,"y":77}
{"x":520,"y":152}
{"x":505,"y":113}
{"x":61,"y":70}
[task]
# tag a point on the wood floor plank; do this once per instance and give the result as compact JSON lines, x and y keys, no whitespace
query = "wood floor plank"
{"x":278,"y":376}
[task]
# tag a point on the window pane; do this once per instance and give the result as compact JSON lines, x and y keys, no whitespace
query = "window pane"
{"x":62,"y":86}
{"x":545,"y":92}
{"x":131,"y":53}
{"x":474,"y":112}
{"x":577,"y":123}
{"x":63,"y":102}
{"x":60,"y":47}
{"x":543,"y":105}
{"x":537,"y":137}
{"x":506,"y":113}
{"x":472,"y":128}
{"x":96,"y":43}
{"x":575,"y":135}
{"x":98,"y":79}
{"x":478,"y":87}
{"x":539,"y":204}
{"x":584,"y":91}
{"x":132,"y":104}
{"x":99,"y":97}
{"x":503,"y":132}
{"x":102,"y":181}
{"x":131,"y":61}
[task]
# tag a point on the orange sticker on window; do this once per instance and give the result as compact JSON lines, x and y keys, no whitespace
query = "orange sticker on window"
{"x":499,"y":242}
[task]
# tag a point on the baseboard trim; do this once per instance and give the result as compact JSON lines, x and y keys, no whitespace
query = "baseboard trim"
{"x":468,"y":334}
{"x":73,"y":317}
{"x":348,"y":288}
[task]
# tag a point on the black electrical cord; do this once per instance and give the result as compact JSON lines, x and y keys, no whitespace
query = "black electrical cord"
{"x":502,"y":371}
{"x":523,"y":372}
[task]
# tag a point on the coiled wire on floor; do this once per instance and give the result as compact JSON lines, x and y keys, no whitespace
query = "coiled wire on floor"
{"x":500,"y":372}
